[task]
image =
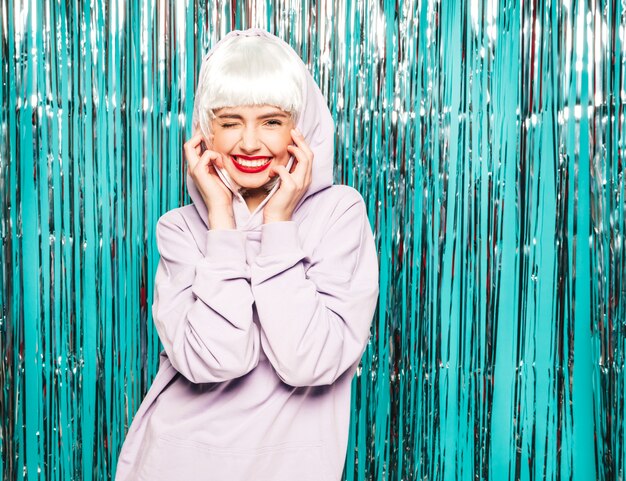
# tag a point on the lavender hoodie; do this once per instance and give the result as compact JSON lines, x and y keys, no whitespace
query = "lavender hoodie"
{"x":263,"y":328}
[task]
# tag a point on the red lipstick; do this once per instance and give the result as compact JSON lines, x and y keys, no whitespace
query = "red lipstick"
{"x":248,"y":169}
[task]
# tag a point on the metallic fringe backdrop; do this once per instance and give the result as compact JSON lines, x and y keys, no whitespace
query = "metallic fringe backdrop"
{"x":488,"y":139}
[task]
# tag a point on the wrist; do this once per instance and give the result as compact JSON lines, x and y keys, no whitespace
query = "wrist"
{"x":221,"y":220}
{"x":269,"y":217}
{"x":270,"y":220}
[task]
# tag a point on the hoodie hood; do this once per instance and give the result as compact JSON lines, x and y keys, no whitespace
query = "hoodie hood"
{"x":316,"y":124}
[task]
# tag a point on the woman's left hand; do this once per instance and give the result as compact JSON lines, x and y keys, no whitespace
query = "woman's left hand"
{"x":293,"y":183}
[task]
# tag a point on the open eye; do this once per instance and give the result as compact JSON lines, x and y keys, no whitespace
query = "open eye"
{"x":274,"y":123}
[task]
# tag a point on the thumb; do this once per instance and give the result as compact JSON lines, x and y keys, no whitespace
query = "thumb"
{"x":279,"y":170}
{"x":218,"y":161}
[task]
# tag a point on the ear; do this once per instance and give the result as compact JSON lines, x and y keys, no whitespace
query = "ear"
{"x":207,"y":142}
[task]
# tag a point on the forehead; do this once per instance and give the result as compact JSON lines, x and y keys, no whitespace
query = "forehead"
{"x":251,"y":112}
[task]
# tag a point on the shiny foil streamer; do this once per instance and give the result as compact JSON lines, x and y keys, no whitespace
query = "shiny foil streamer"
{"x":488,"y":140}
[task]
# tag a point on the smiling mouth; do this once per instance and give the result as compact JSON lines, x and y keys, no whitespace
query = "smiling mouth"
{"x":250,"y":164}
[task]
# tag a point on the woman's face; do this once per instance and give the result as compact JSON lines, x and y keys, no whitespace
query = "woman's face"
{"x":252,"y":138}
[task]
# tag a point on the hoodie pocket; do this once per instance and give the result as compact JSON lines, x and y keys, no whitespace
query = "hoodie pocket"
{"x":171,"y":458}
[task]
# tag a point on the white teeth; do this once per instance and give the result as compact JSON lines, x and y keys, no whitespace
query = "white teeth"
{"x":251,"y":163}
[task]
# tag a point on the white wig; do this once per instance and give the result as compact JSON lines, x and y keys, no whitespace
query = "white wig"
{"x":249,"y":70}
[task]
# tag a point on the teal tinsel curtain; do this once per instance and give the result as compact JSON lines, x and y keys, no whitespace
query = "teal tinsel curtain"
{"x":488,"y":139}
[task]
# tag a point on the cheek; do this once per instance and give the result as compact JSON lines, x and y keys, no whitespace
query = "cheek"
{"x":282,"y":154}
{"x":223,"y":142}
{"x":279,"y":144}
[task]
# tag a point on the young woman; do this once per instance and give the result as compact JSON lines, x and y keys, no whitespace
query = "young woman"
{"x":266,"y":286}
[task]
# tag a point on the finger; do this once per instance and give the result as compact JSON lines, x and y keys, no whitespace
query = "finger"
{"x":199,"y":142}
{"x":206,"y":143}
{"x":300,"y":141}
{"x":195,"y":139}
{"x":285,"y":179}
{"x":190,"y":153}
{"x":193,"y":161}
{"x":205,"y":162}
{"x":219,"y":160}
{"x":202,"y":166}
{"x":303,"y":162}
{"x":206,"y":177}
{"x":294,"y":164}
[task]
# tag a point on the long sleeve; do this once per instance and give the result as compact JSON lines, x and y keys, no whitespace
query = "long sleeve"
{"x":203,"y":304}
{"x":315,"y":321}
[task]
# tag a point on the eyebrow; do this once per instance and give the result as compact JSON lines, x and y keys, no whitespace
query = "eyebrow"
{"x":261,"y":117}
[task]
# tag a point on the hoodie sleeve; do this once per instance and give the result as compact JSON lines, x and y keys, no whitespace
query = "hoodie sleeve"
{"x":202,"y":305}
{"x":315,"y":322}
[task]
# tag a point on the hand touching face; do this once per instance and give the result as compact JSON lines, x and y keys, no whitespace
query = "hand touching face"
{"x":254,"y":144}
{"x":252,"y":140}
{"x":293,"y":184}
{"x":201,"y":165}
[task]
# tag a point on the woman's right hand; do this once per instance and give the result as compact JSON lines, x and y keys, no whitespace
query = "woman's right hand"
{"x":216,"y":195}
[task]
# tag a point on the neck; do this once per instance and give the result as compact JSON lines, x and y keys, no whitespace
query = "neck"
{"x":254,"y":197}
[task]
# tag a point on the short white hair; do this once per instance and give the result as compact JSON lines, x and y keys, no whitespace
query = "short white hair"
{"x":249,"y":70}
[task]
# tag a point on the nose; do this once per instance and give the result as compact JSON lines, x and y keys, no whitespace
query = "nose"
{"x":250,"y":141}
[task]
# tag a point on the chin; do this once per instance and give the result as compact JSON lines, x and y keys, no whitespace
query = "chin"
{"x":248,"y":183}
{"x":267,"y":186}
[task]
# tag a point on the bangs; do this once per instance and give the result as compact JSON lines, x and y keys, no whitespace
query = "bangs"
{"x":249,"y":71}
{"x":256,"y":80}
